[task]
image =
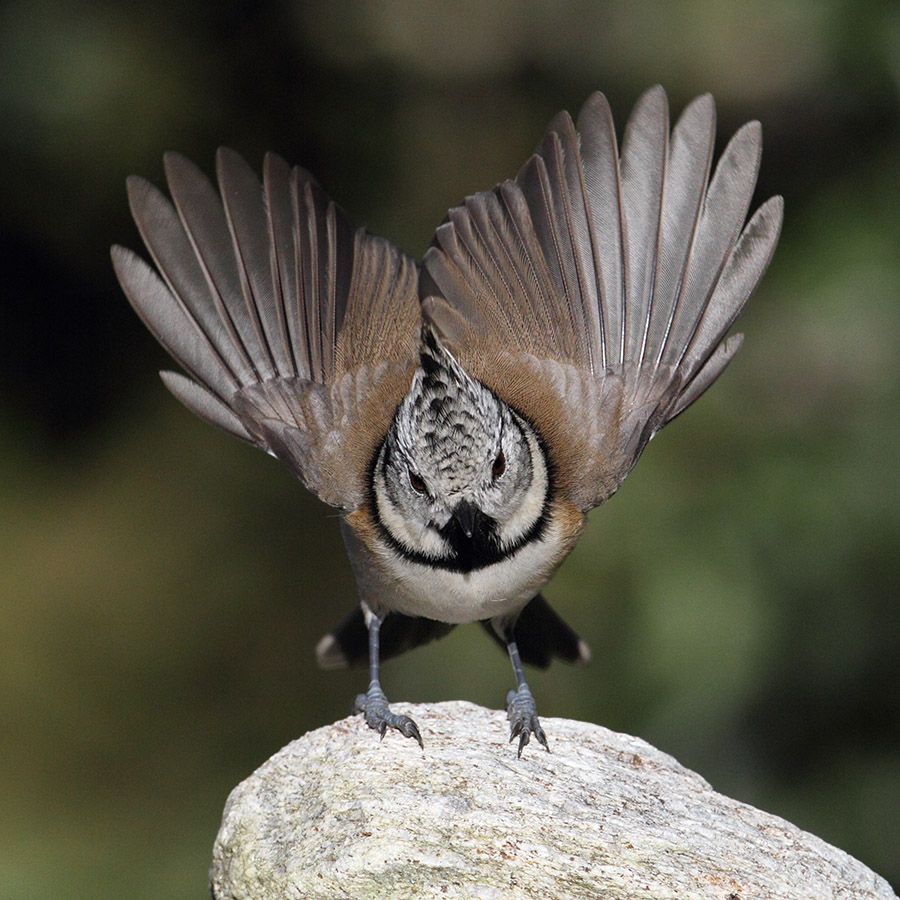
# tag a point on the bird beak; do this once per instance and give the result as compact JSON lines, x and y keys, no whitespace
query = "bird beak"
{"x":465,"y":514}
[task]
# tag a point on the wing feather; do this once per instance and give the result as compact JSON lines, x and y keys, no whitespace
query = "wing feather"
{"x":298,"y":331}
{"x":204,"y":404}
{"x":185,"y":278}
{"x":687,"y":174}
{"x":540,"y":181}
{"x":280,"y":226}
{"x":248,"y":222}
{"x":643,"y":169}
{"x":741,"y":273}
{"x":206,"y":228}
{"x":598,"y":186}
{"x":597,"y":291}
{"x":563,"y":144}
{"x":173,"y":324}
{"x":724,"y":211}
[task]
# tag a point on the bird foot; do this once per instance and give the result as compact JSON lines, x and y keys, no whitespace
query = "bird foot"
{"x":374,"y":706}
{"x":522,"y":715}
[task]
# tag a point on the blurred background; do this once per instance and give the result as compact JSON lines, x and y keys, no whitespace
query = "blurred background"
{"x":162,"y":586}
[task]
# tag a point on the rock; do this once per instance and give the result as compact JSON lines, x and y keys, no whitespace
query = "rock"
{"x":339,"y":813}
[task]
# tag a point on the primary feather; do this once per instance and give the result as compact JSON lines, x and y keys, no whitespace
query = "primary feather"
{"x":297,"y":330}
{"x":636,"y":260}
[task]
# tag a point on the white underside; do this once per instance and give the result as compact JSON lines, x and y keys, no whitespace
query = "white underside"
{"x":506,"y":586}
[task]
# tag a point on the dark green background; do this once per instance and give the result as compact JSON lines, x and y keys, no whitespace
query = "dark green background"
{"x":162,"y":586}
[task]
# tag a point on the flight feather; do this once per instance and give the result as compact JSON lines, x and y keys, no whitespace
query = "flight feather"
{"x":597,"y":288}
{"x":298,"y":331}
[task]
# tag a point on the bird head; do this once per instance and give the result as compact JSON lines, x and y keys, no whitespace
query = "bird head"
{"x":461,"y":478}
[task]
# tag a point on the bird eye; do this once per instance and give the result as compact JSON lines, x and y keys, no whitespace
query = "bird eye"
{"x":499,"y":466}
{"x":416,"y":482}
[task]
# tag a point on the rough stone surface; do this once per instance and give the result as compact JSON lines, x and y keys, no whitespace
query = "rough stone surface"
{"x":339,"y":813}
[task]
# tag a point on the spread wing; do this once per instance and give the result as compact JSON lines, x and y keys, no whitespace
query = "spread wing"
{"x":297,"y":330}
{"x":593,"y":292}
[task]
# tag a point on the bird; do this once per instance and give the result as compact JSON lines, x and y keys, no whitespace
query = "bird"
{"x":463,"y":413}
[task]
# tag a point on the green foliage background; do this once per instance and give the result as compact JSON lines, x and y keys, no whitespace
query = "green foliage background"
{"x":162,"y":587}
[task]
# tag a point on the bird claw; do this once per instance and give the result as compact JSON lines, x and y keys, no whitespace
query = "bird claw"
{"x":374,"y":706}
{"x":522,"y":714}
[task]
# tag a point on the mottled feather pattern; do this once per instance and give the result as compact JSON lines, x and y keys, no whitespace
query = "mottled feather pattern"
{"x":451,"y":414}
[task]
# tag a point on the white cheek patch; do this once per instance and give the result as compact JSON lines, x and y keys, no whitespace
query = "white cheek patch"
{"x":420,"y":539}
{"x":531,"y":506}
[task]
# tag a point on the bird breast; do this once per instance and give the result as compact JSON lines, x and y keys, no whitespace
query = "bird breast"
{"x":390,"y":582}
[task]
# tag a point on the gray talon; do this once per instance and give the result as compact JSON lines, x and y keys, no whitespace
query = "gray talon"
{"x":378,"y":715}
{"x":524,"y":722}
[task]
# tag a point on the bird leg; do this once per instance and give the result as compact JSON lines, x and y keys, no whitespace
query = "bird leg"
{"x":520,"y":708}
{"x":373,"y":704}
